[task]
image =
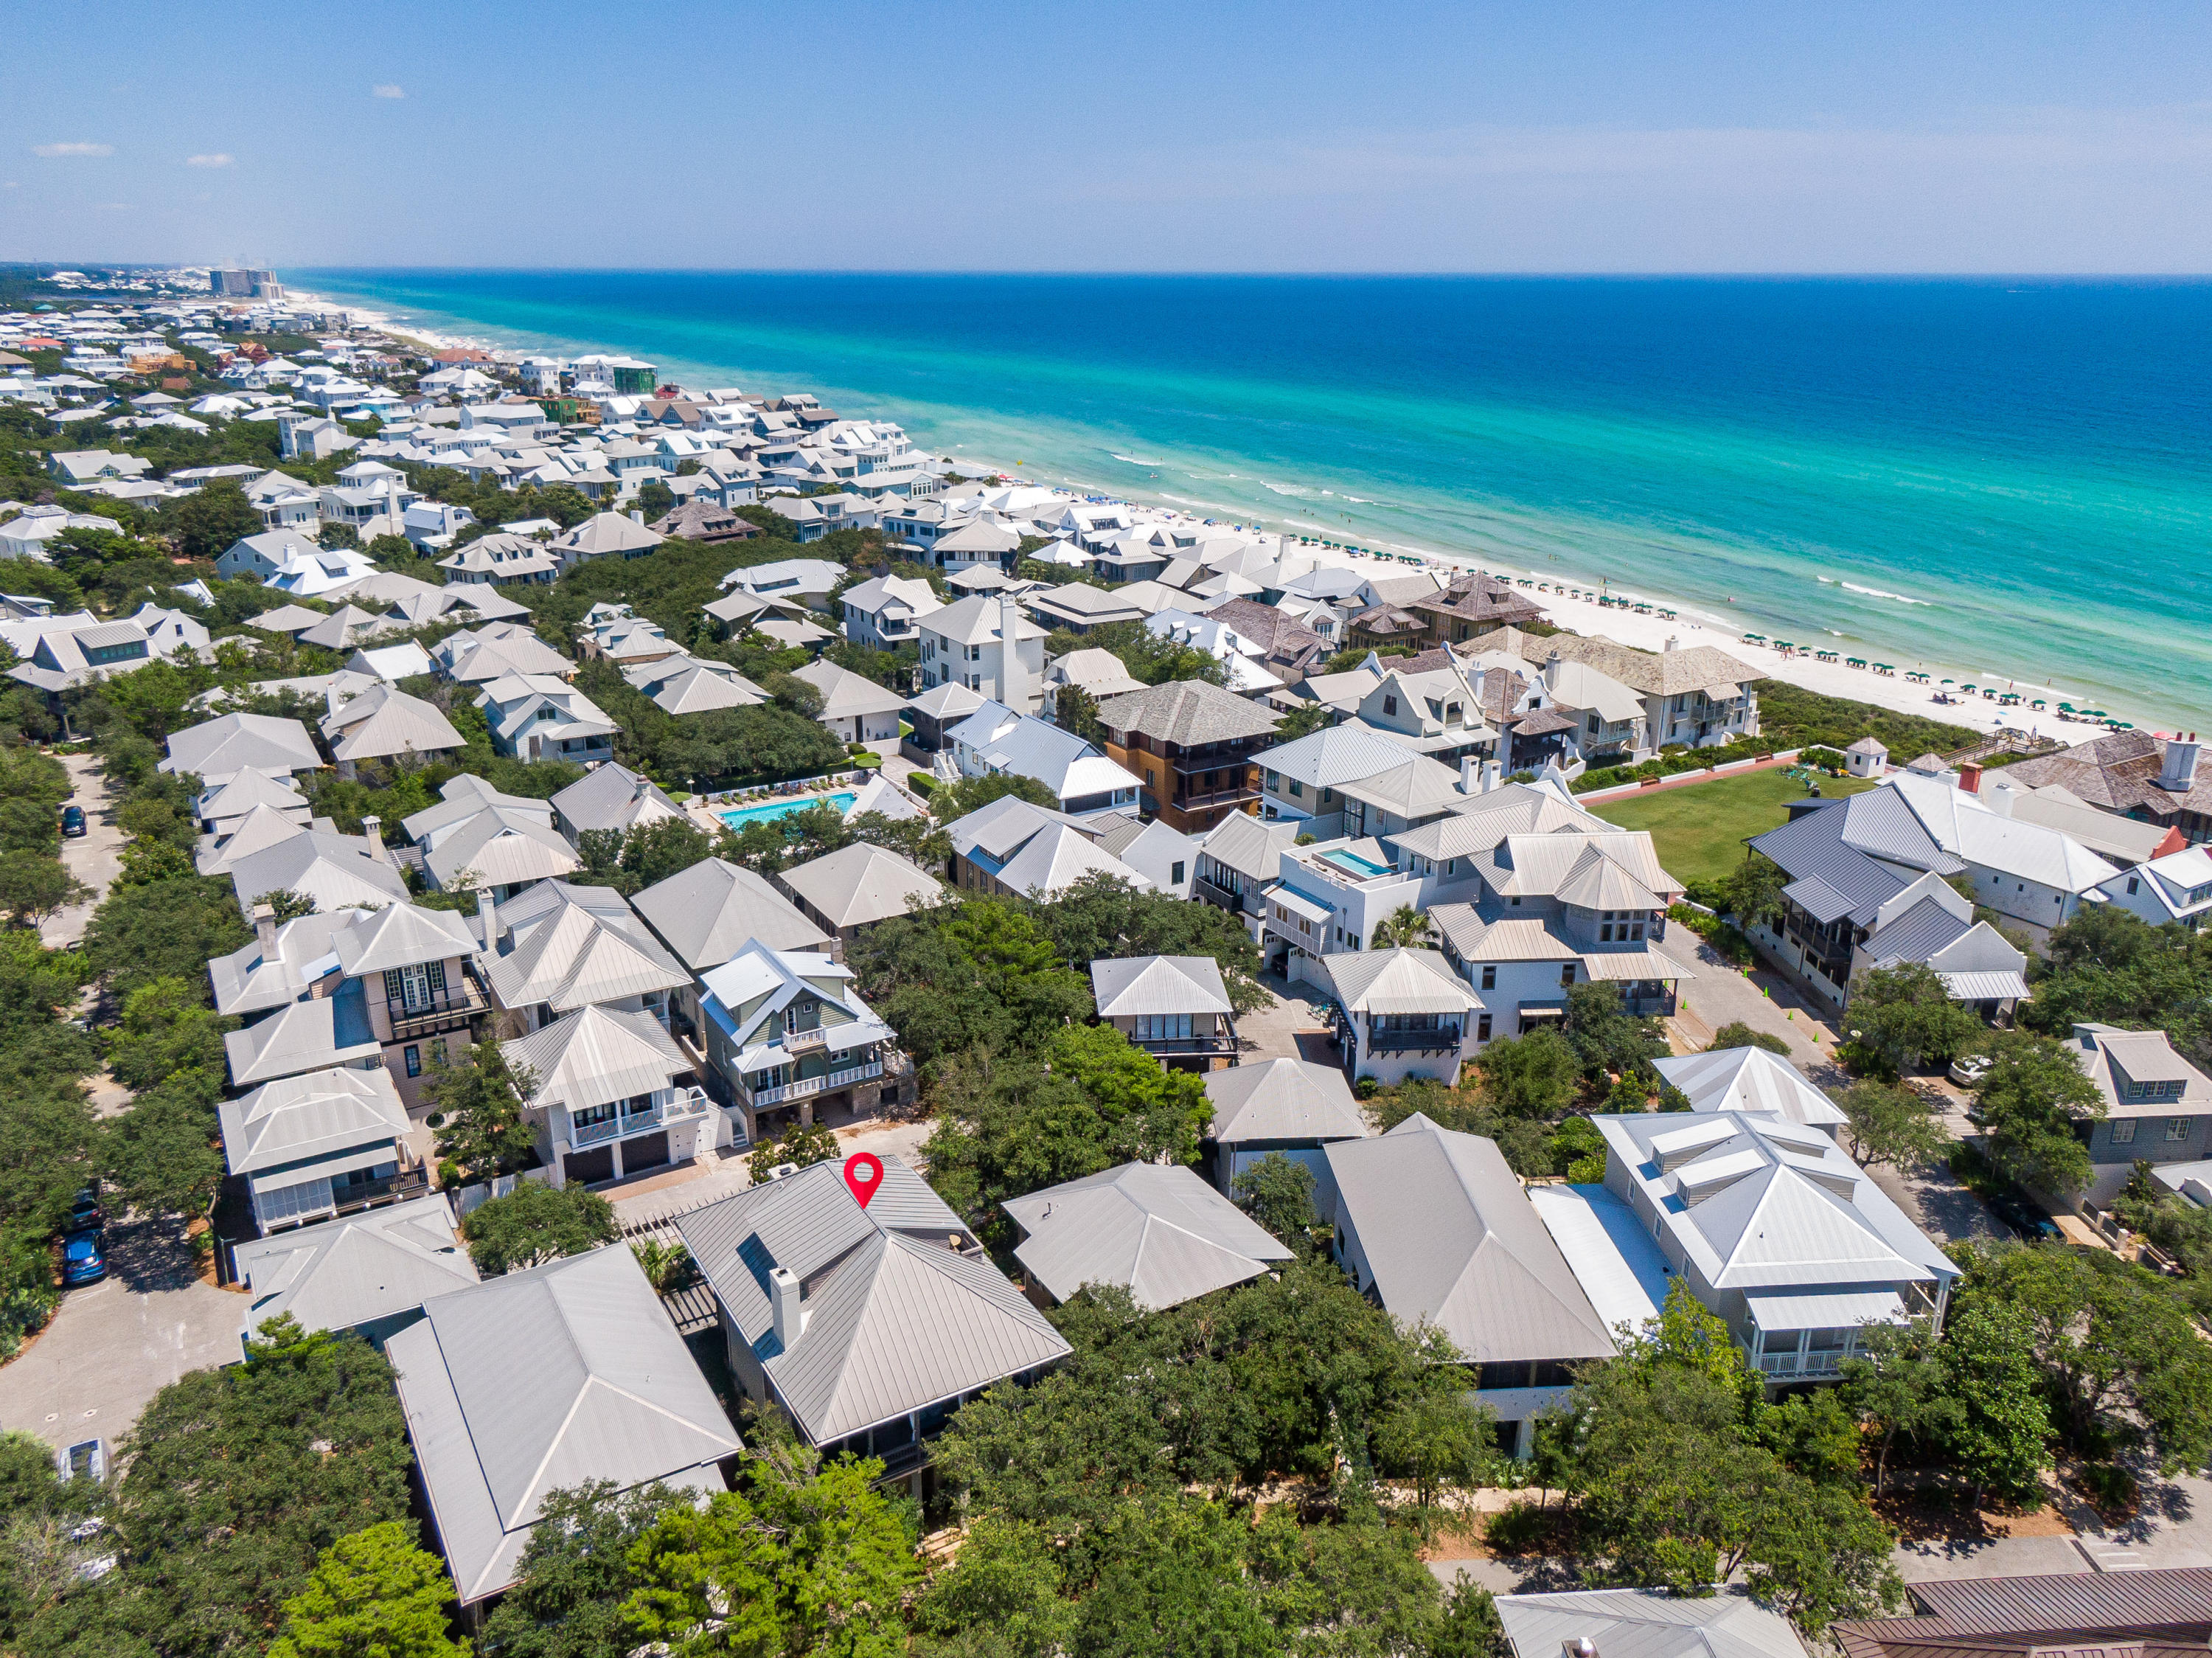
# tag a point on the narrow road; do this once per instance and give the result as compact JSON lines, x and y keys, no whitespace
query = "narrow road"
{"x":94,"y":857}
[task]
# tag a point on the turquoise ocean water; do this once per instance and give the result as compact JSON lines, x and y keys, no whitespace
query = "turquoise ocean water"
{"x":2003,"y":478}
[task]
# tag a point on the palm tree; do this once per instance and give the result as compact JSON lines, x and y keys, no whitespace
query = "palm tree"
{"x":1403,"y":926}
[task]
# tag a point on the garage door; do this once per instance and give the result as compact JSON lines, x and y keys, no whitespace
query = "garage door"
{"x":591,"y":1167}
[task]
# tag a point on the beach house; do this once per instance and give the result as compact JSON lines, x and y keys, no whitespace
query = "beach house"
{"x":1194,"y":746}
{"x":1157,"y":1231}
{"x":996,"y":741}
{"x":1173,"y":1007}
{"x":965,"y":644}
{"x":1775,"y":1231}
{"x":1290,"y":1108}
{"x":1398,"y":1014}
{"x":791,"y":1038}
{"x":1697,"y":695}
{"x":1436,"y":1226}
{"x":2158,"y":1107}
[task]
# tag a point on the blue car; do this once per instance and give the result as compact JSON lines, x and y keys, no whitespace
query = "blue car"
{"x":83,"y":1261}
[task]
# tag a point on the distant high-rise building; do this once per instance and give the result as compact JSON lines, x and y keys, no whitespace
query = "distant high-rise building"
{"x":245,"y":284}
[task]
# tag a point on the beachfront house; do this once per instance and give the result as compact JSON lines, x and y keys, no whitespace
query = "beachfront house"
{"x":1471,"y":607}
{"x":1697,"y":696}
{"x":1776,"y":1232}
{"x":2131,"y":774}
{"x":1436,"y":1226}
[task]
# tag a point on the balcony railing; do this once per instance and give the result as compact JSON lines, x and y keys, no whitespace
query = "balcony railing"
{"x":1214,"y":893}
{"x":805,"y":1041}
{"x":1828,"y":1363}
{"x":1222,"y":1043}
{"x":370,"y":1194}
{"x":806,"y":1086}
{"x":1193,"y":800}
{"x":445,"y":1011}
{"x":688,"y":1103}
{"x":1439,"y":1037}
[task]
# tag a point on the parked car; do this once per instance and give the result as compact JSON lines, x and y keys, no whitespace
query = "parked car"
{"x":84,"y":1258}
{"x":1968,"y":1069}
{"x":2016,"y":1212}
{"x":85,"y":1214}
{"x":73,"y":820}
{"x":85,"y":1459}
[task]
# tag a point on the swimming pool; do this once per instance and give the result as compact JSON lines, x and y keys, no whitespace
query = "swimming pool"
{"x":769,"y":811}
{"x":1352,"y":863}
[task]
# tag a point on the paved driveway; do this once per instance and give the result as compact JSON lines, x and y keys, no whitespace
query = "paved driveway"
{"x":94,"y":857}
{"x":1274,"y":1032}
{"x":1723,"y":994}
{"x":116,"y":1343}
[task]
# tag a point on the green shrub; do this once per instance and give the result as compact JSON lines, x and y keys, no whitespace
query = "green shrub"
{"x":1519,"y":1528}
{"x":2111,"y":1487}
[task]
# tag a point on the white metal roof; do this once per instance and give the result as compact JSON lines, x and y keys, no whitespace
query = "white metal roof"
{"x":1156,"y":1230}
{"x":1128,"y":986}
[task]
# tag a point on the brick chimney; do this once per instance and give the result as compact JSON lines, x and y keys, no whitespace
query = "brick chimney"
{"x":1970,"y":778}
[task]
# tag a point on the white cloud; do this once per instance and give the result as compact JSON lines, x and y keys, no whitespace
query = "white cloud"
{"x":50,"y":151}
{"x":388,"y":90}
{"x":218,"y":159}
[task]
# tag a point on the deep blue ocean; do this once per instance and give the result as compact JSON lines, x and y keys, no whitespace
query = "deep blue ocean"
{"x":2000,"y":477}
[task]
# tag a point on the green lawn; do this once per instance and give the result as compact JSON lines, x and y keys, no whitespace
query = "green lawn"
{"x":1699,"y":829}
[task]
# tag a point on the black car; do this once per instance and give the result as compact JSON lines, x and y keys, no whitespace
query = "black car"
{"x":85,"y":1214}
{"x":72,"y":820}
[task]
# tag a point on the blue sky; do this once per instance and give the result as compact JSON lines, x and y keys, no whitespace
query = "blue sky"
{"x":1225,"y":136}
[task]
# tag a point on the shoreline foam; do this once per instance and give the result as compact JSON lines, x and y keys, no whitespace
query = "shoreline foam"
{"x":1693,"y":625}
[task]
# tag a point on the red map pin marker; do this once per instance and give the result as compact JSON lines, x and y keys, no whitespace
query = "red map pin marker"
{"x":864,"y":1176}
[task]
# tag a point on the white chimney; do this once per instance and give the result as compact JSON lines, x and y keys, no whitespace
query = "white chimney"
{"x":1552,"y":668}
{"x":2179,"y":772}
{"x":1998,"y":795}
{"x":1013,"y":678}
{"x":637,"y":517}
{"x":1468,"y":770}
{"x":1493,"y":773}
{"x":373,"y":827}
{"x":783,"y":1298}
{"x":264,"y":930}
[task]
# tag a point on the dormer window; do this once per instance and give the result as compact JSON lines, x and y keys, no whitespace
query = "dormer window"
{"x":1389,"y":704}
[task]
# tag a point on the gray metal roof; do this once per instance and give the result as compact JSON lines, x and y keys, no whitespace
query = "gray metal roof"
{"x":541,"y":1381}
{"x":500,"y":848}
{"x":231,"y":743}
{"x":361,"y":1267}
{"x":860,"y":884}
{"x":706,"y":914}
{"x":1453,"y":1242}
{"x":1250,"y":845}
{"x":298,"y":1119}
{"x":566,"y":947}
{"x":314,"y":1035}
{"x":335,"y":871}
{"x":1646,"y":1623}
{"x":1401,"y":980}
{"x":1156,"y":1230}
{"x":1924,"y":928}
{"x":384,"y":722}
{"x":1057,"y":857}
{"x":1283,"y":1099}
{"x":402,"y":936}
{"x":1127,"y":986}
{"x":596,"y":1056}
{"x":1749,"y":1079}
{"x":894,"y":1319}
{"x":608,"y":797}
{"x":1759,"y":1202}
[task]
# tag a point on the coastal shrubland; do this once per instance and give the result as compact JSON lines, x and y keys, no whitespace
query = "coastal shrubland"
{"x":1790,"y":717}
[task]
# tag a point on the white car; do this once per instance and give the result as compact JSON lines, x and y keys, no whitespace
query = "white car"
{"x":1968,"y":1069}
